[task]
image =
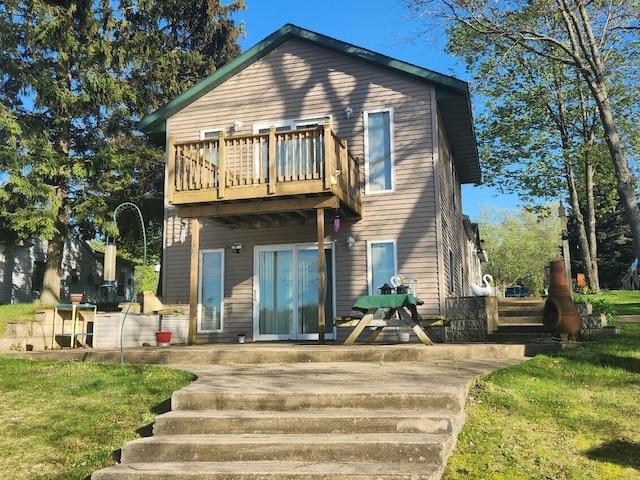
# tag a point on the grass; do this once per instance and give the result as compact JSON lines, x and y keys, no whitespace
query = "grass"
{"x":19,"y":312}
{"x":624,"y":302}
{"x":64,"y":420}
{"x":570,"y":416}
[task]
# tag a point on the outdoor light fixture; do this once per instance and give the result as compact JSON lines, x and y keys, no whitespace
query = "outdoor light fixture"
{"x":237,"y":125}
{"x":236,"y":247}
{"x":348,"y":111}
{"x":351,"y":241}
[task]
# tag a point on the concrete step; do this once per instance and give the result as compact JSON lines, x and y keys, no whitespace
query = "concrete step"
{"x":286,"y":401}
{"x":381,"y":448}
{"x":531,"y":328}
{"x":281,"y":353}
{"x":278,"y":422}
{"x":309,"y":420}
{"x":520,"y":319}
{"x":271,"y":470}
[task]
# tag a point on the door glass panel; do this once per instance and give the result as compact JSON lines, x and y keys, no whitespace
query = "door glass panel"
{"x":308,"y":291}
{"x":287,"y":293}
{"x":211,"y":291}
{"x":211,"y":149}
{"x":275,"y":274}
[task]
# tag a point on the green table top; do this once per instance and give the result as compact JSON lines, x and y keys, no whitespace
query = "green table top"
{"x":367,"y":302}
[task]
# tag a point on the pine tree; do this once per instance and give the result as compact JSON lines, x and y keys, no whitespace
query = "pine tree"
{"x":75,"y":77}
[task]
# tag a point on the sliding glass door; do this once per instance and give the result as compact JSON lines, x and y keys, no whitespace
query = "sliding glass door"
{"x":286,"y":292}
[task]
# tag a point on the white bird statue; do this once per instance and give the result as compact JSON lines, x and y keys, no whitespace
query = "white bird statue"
{"x":486,"y":290}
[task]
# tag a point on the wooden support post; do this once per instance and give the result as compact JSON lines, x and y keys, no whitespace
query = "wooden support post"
{"x":193,"y":280}
{"x":322,"y":261}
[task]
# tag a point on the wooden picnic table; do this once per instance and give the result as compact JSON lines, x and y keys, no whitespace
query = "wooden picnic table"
{"x":400,"y":309}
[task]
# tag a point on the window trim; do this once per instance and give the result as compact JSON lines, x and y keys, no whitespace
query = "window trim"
{"x":366,"y":114}
{"x":370,"y":243}
{"x":221,"y":251}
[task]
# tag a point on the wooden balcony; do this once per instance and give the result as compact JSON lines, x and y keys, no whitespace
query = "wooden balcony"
{"x":277,"y":177}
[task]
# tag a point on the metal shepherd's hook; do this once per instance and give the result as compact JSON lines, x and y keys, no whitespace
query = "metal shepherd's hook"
{"x":136,"y":284}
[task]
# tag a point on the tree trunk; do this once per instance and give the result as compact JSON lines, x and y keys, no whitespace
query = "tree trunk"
{"x":591,"y":228}
{"x":50,"y":294}
{"x":51,"y":283}
{"x":625,"y":181}
{"x":585,"y":249}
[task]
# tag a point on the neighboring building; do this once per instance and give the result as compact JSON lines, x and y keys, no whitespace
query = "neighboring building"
{"x":22,"y":271}
{"x":476,"y":254}
{"x":303,"y":141}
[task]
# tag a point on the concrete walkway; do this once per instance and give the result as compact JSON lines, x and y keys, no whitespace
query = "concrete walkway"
{"x":306,"y":411}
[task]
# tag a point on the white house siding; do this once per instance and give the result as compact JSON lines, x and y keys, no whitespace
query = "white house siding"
{"x":297,"y":81}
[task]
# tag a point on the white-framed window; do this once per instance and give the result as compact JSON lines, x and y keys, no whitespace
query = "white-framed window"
{"x":211,"y":291}
{"x":378,"y":148}
{"x":210,"y":151}
{"x":382,"y":263}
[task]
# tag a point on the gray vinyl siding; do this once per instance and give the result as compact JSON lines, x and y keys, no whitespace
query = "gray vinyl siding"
{"x":81,"y":271}
{"x":297,"y":81}
{"x":454,"y":238}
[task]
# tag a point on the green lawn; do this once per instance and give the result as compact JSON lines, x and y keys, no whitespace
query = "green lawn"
{"x":570,"y":416}
{"x":64,"y":420}
{"x":20,"y":312}
{"x":624,"y":302}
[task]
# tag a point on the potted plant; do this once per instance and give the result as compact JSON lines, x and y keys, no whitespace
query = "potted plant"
{"x":163,"y":338}
{"x":76,"y":298}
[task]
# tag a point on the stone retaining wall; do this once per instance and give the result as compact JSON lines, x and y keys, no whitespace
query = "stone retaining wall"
{"x":471,"y":319}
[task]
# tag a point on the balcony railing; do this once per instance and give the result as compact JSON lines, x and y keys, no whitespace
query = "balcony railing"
{"x":276,"y":163}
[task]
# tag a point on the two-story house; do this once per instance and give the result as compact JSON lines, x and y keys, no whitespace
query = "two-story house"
{"x":308,"y":172}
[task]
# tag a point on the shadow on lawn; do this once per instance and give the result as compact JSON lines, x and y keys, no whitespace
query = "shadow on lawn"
{"x":620,"y":452}
{"x":629,"y":364}
{"x":147,"y":430}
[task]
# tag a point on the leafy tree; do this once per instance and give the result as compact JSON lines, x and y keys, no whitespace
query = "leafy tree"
{"x":519,"y":244}
{"x":75,"y":77}
{"x":537,"y":133}
{"x":596,"y":40}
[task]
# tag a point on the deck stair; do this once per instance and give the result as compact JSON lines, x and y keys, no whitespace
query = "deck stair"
{"x":520,"y":320}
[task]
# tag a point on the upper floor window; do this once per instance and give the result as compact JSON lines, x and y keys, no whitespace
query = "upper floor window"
{"x":378,"y":143}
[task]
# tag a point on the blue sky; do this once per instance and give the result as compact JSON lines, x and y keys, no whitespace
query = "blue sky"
{"x":383,"y":26}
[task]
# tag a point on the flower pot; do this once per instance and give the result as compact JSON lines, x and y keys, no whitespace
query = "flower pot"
{"x":240,"y":338}
{"x":403,"y":337}
{"x":163,"y":339}
{"x":76,"y":298}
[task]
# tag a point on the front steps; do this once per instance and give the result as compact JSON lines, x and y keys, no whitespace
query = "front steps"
{"x":520,"y":321}
{"x":345,"y":420}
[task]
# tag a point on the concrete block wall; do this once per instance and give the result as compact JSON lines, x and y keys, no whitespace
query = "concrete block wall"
{"x":471,"y":319}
